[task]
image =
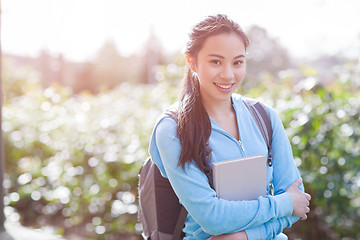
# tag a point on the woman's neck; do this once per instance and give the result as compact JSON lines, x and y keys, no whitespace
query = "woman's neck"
{"x":224,"y":115}
{"x":216,"y":109}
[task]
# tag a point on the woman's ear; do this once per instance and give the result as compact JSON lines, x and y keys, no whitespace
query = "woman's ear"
{"x":191,"y":63}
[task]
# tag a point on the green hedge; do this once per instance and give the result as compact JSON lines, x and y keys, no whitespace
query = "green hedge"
{"x":73,"y":161}
{"x":322,"y":119}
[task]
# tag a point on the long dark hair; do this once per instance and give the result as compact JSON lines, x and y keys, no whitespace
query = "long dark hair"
{"x":193,"y":122}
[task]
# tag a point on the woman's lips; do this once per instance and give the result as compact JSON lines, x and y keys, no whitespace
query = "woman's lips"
{"x":224,"y":87}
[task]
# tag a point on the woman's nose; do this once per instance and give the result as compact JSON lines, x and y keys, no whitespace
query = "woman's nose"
{"x":227,"y":72}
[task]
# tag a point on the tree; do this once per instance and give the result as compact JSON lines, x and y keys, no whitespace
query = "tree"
{"x":110,"y":68}
{"x":265,"y":55}
{"x":152,"y":58}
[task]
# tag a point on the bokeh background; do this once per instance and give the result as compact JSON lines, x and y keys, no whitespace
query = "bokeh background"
{"x":84,"y":81}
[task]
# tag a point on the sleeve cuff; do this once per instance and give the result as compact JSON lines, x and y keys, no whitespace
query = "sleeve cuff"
{"x":285,"y":204}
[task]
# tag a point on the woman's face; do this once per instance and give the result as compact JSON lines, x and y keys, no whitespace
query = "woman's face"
{"x":220,"y":66}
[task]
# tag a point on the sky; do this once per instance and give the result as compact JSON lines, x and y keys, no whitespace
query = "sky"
{"x":78,"y":28}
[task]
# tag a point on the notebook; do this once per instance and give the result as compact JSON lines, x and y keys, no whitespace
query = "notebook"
{"x":241,"y":178}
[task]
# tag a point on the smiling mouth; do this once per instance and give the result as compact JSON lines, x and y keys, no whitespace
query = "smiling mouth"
{"x":227,"y":86}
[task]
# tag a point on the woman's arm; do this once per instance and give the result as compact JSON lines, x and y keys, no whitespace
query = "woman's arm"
{"x":215,"y":216}
{"x":268,"y":230}
{"x":286,"y":177}
{"x":284,"y":173}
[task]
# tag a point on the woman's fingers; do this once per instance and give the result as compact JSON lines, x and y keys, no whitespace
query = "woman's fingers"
{"x":304,"y":217}
{"x":301,"y":200}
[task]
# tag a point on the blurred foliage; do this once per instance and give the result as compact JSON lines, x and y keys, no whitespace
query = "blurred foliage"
{"x":322,"y":120}
{"x":72,"y":160}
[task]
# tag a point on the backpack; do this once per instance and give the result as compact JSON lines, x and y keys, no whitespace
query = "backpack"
{"x":160,"y":213}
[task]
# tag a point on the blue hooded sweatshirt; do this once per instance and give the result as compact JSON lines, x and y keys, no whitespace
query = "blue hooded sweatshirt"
{"x":263,"y":218}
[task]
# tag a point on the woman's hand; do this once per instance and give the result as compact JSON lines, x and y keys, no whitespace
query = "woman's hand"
{"x":301,"y":200}
{"x":231,"y":236}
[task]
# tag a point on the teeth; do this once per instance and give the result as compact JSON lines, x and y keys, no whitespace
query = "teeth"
{"x":223,"y":86}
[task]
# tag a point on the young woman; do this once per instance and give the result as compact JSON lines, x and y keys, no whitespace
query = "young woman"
{"x":213,"y":124}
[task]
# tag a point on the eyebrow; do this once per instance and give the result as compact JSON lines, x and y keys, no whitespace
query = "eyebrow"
{"x":219,"y":56}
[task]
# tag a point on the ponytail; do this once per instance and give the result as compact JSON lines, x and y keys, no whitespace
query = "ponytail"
{"x":193,"y":125}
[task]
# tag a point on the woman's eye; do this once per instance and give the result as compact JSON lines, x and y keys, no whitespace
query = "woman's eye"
{"x":217,"y":62}
{"x":238,"y":62}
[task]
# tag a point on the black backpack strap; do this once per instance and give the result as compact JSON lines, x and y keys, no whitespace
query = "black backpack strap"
{"x":180,"y":224}
{"x":262,"y":119}
{"x":178,"y":233}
